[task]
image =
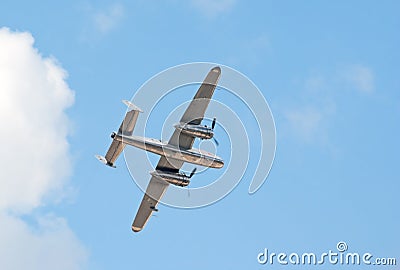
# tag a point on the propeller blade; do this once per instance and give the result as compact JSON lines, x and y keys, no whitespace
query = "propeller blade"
{"x":213,"y":123}
{"x":216,"y":142}
{"x":192,"y":173}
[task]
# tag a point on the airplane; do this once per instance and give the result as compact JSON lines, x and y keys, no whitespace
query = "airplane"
{"x":173,"y":153}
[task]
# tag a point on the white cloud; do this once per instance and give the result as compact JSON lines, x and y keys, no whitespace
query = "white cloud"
{"x":35,"y":153}
{"x":307,"y":118}
{"x":361,"y":78}
{"x":33,"y":131}
{"x":52,"y":245}
{"x":305,"y":122}
{"x":106,"y":20}
{"x":212,"y":8}
{"x":315,"y":84}
{"x":260,"y":42}
{"x":316,"y":101}
{"x":253,"y":51}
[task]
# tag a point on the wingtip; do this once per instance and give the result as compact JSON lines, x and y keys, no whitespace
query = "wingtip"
{"x":216,"y":69}
{"x":136,"y":229}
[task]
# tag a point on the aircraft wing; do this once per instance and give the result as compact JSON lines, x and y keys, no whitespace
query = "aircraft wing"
{"x":194,"y":115}
{"x":155,"y":190}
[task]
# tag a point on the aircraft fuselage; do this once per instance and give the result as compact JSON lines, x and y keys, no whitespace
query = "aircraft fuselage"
{"x":194,"y":156}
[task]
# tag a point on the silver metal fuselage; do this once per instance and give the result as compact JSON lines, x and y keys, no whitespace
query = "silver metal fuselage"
{"x":194,"y":156}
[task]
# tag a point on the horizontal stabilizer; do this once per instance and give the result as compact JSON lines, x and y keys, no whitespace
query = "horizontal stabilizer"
{"x":126,"y":129}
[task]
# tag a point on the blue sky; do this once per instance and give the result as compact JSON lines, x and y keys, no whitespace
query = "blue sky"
{"x":329,"y":71}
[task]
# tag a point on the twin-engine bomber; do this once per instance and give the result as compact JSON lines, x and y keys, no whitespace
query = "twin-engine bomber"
{"x":173,"y":153}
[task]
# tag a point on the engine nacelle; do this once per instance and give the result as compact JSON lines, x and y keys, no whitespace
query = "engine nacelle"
{"x":176,"y":179}
{"x":198,"y":131}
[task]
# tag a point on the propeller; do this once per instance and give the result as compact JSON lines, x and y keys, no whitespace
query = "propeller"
{"x":212,"y":127}
{"x":192,"y":173}
{"x":216,"y":142}
{"x":190,"y":176}
{"x":213,"y":123}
